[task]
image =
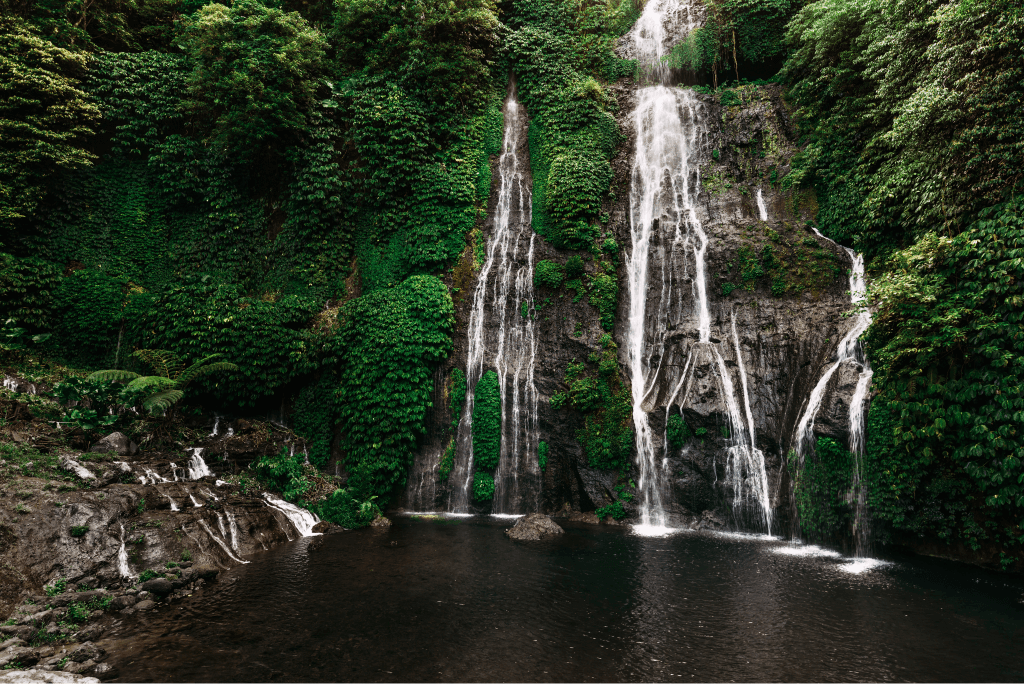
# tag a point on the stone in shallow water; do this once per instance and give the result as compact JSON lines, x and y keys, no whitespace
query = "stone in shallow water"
{"x":533,"y":526}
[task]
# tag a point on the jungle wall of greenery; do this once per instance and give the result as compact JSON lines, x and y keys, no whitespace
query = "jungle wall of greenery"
{"x":289,"y":183}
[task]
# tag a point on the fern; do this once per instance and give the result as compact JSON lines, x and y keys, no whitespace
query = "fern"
{"x":161,"y":401}
{"x":167,"y":387}
{"x":112,"y":376}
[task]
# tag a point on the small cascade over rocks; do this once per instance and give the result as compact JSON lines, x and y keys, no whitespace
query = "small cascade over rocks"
{"x":762,"y":210}
{"x":302,"y":520}
{"x":197,"y":467}
{"x":665,"y":228}
{"x":504,"y":291}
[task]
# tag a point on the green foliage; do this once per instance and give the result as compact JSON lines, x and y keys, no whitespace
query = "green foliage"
{"x":45,"y":119}
{"x":911,"y":114}
{"x":727,"y":288}
{"x":483,"y":486}
{"x":487,"y":422}
{"x":148,"y":575}
{"x":751,"y":29}
{"x":313,"y":417}
{"x":342,"y":508}
{"x":821,"y":490}
{"x":159,"y":392}
{"x":255,"y":72}
{"x":285,"y":472}
{"x":447,"y":462}
{"x":186,"y":556}
{"x":548,"y":274}
{"x":606,"y":438}
{"x":26,"y":291}
{"x":542,"y":455}
{"x":945,"y":451}
{"x":557,"y":54}
{"x":272,"y":339}
{"x":614,"y":509}
{"x":387,"y":345}
{"x":56,"y":587}
{"x":677,"y":431}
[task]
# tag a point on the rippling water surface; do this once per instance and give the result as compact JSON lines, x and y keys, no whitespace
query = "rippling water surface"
{"x":455,"y":600}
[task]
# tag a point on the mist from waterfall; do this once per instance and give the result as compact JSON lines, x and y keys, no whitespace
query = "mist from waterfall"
{"x":504,"y":292}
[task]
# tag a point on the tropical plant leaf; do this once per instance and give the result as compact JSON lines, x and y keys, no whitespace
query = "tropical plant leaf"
{"x":196,"y":371}
{"x":113,"y":375}
{"x":151,"y":383}
{"x":161,"y":401}
{"x":165,"y":363}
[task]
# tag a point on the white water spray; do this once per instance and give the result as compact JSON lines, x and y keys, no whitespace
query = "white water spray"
{"x":301,"y":519}
{"x":503,"y":294}
{"x":762,"y":210}
{"x":122,"y":560}
{"x":197,"y":467}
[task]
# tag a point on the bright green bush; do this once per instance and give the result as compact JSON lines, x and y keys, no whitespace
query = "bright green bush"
{"x":677,"y":431}
{"x":487,"y":422}
{"x":548,"y":274}
{"x":483,"y":486}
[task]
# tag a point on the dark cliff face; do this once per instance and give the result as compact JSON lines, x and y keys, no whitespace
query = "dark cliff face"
{"x":786,"y":337}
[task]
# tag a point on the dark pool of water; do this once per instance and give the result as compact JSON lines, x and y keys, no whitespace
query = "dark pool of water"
{"x":458,"y":601}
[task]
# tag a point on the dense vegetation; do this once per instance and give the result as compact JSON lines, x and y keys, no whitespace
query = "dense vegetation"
{"x":914,"y":142}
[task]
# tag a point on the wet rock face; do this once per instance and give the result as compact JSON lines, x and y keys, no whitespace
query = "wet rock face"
{"x":533,"y":527}
{"x":786,"y":306}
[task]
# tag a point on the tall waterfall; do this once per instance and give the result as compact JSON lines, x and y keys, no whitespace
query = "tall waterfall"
{"x":504,"y":292}
{"x":671,"y":137}
{"x":850,"y":351}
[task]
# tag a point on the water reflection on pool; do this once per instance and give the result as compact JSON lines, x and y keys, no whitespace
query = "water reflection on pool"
{"x":453,"y":599}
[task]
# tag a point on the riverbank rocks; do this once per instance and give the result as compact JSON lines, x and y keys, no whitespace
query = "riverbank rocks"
{"x":380,"y":521}
{"x":44,"y":677}
{"x":532,"y":527}
{"x":160,"y":586}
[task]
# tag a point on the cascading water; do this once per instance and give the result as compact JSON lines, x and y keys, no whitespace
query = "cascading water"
{"x":122,"y":560}
{"x":302,"y":520}
{"x":671,"y":136}
{"x":850,"y":351}
{"x":197,"y":467}
{"x":504,"y":291}
{"x":762,"y":210}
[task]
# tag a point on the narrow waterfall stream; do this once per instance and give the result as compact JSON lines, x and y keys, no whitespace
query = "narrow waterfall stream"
{"x":504,"y":293}
{"x":850,"y":351}
{"x":671,"y":135}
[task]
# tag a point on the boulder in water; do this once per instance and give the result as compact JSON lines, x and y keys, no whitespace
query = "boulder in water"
{"x":532,"y":527}
{"x":159,"y":586}
{"x":380,"y":521}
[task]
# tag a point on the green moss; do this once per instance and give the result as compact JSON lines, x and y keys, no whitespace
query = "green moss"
{"x":548,"y":274}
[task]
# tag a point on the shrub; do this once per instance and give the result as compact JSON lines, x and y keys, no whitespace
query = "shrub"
{"x":574,"y":267}
{"x":483,"y":486}
{"x":487,"y":422}
{"x":678,"y":431}
{"x":613,"y":509}
{"x":79,"y":530}
{"x":548,"y":274}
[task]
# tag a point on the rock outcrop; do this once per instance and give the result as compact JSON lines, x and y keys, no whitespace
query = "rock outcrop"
{"x":533,"y":527}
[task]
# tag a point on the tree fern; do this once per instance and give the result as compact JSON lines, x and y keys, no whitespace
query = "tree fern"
{"x":112,"y":376}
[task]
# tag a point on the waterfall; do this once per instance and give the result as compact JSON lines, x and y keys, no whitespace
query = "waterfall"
{"x":301,"y":519}
{"x":122,"y":559}
{"x":197,"y":467}
{"x":850,"y":351}
{"x":504,"y":289}
{"x":216,"y":424}
{"x":762,"y":210}
{"x":665,"y":229}
{"x":174,"y":506}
